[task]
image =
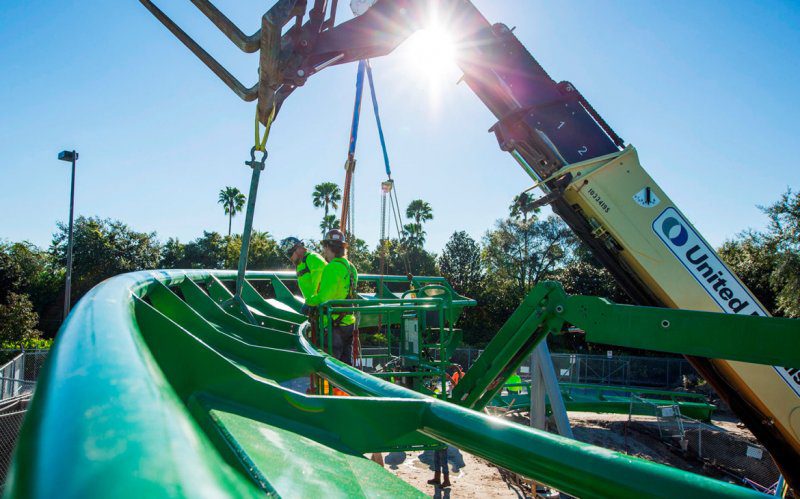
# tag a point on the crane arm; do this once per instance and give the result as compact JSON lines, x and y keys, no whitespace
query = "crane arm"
{"x":599,"y":188}
{"x":590,"y":179}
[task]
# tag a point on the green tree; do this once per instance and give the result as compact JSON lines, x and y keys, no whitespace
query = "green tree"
{"x":414,"y":235}
{"x":518,"y":254}
{"x":173,"y":254}
{"x":11,"y":276}
{"x":328,"y":222}
{"x":17,"y":321}
{"x":420,"y":212}
{"x":523,"y":207}
{"x":460,"y":264}
{"x":360,"y":255}
{"x":326,"y":195}
{"x":496,"y":301}
{"x":232,"y":201}
{"x":207,"y":252}
{"x":768,"y":262}
{"x":27,"y":269}
{"x":104,"y":248}
{"x":420,"y":261}
{"x":784,"y":235}
{"x":753,"y":258}
{"x":264,"y":253}
{"x":585,"y":277}
{"x":214,"y":251}
{"x":786,"y":281}
{"x":402,"y":259}
{"x":22,"y":267}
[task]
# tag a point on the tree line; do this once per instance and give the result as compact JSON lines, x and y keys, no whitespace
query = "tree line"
{"x":518,"y":251}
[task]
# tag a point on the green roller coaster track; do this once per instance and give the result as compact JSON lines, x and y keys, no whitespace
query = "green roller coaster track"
{"x":155,"y":387}
{"x":609,"y":399}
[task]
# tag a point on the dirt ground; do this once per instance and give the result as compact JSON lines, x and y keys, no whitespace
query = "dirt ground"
{"x":610,"y":431}
{"x":473,"y":477}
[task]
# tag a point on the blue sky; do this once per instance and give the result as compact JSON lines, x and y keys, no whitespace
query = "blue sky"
{"x":706,"y":90}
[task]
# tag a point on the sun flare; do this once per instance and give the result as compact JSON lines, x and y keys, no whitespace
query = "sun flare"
{"x":431,"y":53}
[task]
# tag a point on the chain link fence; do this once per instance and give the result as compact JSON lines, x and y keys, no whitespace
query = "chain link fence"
{"x":18,"y":375}
{"x":626,"y":370}
{"x":736,"y":454}
{"x":17,"y":382}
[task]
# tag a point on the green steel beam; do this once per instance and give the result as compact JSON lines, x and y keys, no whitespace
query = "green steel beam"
{"x":634,"y":389}
{"x":254,"y":299}
{"x":213,"y":312}
{"x":528,"y":325}
{"x":745,"y":338}
{"x":611,"y":399}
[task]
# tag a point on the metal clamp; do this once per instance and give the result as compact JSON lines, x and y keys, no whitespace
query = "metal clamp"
{"x":269,"y":90}
{"x":253,"y":163}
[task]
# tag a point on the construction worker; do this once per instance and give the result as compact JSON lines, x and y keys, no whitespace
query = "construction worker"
{"x":458,"y":373}
{"x":339,"y":280}
{"x":308,"y":265}
{"x":441,"y":469}
{"x":514,"y":379}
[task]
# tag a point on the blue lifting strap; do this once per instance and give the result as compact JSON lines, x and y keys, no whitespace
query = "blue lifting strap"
{"x":378,"y":120}
{"x":351,"y":151}
{"x":363,"y":66}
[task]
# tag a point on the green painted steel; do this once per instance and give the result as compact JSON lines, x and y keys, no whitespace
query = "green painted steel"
{"x":152,"y":390}
{"x":610,"y":399}
{"x":528,"y":325}
{"x":547,"y":308}
{"x":746,"y":338}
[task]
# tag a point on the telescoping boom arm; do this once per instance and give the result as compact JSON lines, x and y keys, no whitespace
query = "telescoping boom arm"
{"x":592,"y":180}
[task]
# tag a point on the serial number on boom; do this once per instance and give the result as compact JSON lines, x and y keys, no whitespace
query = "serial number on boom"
{"x":603,"y":205}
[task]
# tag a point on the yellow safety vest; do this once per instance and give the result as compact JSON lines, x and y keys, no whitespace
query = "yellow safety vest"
{"x":309,"y":273}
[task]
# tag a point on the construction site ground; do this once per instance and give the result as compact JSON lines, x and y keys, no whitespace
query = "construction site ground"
{"x":473,"y":477}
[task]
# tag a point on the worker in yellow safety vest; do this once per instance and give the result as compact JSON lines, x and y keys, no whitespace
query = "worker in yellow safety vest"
{"x":308,"y":265}
{"x":339,"y":280}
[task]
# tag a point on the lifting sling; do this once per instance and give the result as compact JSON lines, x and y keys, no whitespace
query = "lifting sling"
{"x":388,"y":190}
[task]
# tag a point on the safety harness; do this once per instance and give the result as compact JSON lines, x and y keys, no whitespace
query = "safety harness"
{"x":351,"y":291}
{"x":305,"y":270}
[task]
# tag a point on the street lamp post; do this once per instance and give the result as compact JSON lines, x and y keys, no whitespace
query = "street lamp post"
{"x":71,"y":156}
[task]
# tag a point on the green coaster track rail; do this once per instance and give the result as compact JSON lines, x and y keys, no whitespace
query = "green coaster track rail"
{"x":609,"y":399}
{"x":155,"y":387}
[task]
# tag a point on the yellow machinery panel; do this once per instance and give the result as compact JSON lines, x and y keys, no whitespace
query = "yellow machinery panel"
{"x":633,"y":216}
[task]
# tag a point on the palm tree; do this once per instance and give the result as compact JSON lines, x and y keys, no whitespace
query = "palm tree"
{"x":522,"y":206}
{"x":420,"y":211}
{"x":414,"y":235}
{"x":232,"y":200}
{"x":326,"y":195}
{"x":328,"y":222}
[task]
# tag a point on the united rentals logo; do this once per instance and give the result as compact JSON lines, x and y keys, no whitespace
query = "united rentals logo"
{"x":704,"y":264}
{"x":708,"y":270}
{"x":676,"y":232}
